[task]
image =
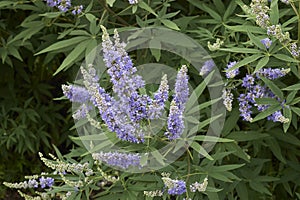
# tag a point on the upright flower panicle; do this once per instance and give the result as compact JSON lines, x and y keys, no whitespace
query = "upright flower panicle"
{"x":181,"y":88}
{"x":156,"y":107}
{"x":175,"y":122}
{"x":121,"y":160}
{"x":227,"y":99}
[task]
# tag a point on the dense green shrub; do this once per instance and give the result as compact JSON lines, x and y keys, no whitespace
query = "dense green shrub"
{"x":257,"y":153}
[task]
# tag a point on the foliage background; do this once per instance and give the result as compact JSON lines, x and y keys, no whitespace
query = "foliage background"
{"x":41,"y":49}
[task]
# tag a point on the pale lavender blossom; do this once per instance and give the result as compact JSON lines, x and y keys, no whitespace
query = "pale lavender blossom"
{"x":77,"y":10}
{"x":175,"y":187}
{"x":32,"y":183}
{"x":266,"y":42}
{"x":132,"y":2}
{"x":64,"y":5}
{"x":248,"y":81}
{"x":76,"y":93}
{"x":272,"y":73}
{"x":52,"y":3}
{"x":207,"y":67}
{"x":46,"y":182}
{"x":231,"y":73}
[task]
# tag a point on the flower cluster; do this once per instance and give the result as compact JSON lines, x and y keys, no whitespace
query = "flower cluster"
{"x":124,"y":113}
{"x":201,"y":187}
{"x":266,"y":42}
{"x":121,"y":160}
{"x":175,"y":187}
{"x":260,"y":10}
{"x":215,"y":46}
{"x":155,"y":193}
{"x":62,"y":167}
{"x":178,"y":187}
{"x":231,"y":73}
{"x":64,"y":6}
{"x":247,"y":100}
{"x":227,"y":99}
{"x":32,"y":183}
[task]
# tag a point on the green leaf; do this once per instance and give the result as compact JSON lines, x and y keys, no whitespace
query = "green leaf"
{"x":246,"y":61}
{"x":170,"y":24}
{"x":110,"y":2}
{"x":275,"y":148}
{"x":285,"y":57}
{"x":198,"y":91}
{"x":207,"y":9}
{"x":288,"y":114}
{"x":51,"y":14}
{"x":256,"y":41}
{"x":276,"y":90}
{"x":70,"y":59}
{"x":197,"y":147}
{"x":261,"y":63}
{"x":57,"y":152}
{"x":244,"y":50}
{"x":296,"y":110}
{"x":63,"y":44}
{"x":146,"y":7}
{"x":293,"y":87}
{"x":291,"y":97}
{"x":267,"y":112}
{"x":274,"y":12}
{"x":158,"y":157}
{"x":202,"y":105}
{"x":5,"y":3}
{"x":230,"y":10}
{"x":242,"y":136}
{"x":155,"y":47}
{"x":134,"y":9}
{"x":259,"y":187}
{"x":209,"y":121}
{"x":266,"y":101}
{"x":224,"y":168}
{"x":207,"y":138}
{"x":246,"y":28}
